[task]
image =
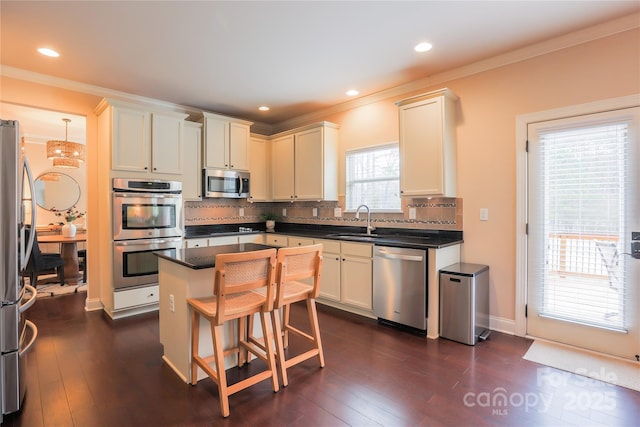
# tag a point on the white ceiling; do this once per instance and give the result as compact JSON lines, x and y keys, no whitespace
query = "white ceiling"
{"x":297,"y":56}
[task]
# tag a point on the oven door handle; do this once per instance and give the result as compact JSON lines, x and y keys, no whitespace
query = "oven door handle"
{"x":146,"y":195}
{"x":144,"y":242}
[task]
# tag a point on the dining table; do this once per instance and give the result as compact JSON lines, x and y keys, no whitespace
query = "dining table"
{"x":68,"y":253}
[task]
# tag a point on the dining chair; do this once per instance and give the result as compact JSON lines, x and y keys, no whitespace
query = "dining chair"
{"x":82,"y":257}
{"x":236,"y":277}
{"x":43,"y":263}
{"x":297,"y":279}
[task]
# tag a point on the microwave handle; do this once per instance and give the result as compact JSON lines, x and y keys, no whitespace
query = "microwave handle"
{"x":239,"y":186}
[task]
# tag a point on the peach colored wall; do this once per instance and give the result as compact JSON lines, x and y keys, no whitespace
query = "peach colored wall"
{"x":53,"y":98}
{"x":486,"y":116}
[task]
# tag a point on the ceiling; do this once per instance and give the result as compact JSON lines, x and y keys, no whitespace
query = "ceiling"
{"x":297,"y":56}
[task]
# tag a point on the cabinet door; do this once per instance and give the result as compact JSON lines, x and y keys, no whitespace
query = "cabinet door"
{"x":259,"y":168}
{"x":238,"y":146}
{"x":192,"y":168}
{"x":421,"y":148}
{"x":276,"y":240}
{"x":216,"y":143}
{"x":282,"y":168}
{"x":131,"y":139}
{"x":308,"y":161}
{"x":356,"y":281}
{"x":166,"y":149}
{"x":330,"y":276}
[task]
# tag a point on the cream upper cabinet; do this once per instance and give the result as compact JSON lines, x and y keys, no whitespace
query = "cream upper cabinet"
{"x":305,"y":163}
{"x":226,"y":142}
{"x":259,"y":162}
{"x":144,"y":140}
{"x":282,"y":168}
{"x":166,"y":143}
{"x":428,"y":144}
{"x":192,"y":170}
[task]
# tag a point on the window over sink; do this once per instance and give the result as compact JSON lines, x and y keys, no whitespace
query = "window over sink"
{"x":373,"y":178}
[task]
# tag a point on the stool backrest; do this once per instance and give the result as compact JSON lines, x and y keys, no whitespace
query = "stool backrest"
{"x":243,"y":272}
{"x":297,"y":264}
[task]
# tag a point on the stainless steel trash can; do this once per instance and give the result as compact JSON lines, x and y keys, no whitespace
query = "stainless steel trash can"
{"x":464,"y":302}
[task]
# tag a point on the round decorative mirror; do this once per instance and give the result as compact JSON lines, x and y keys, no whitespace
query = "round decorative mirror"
{"x":55,"y":191}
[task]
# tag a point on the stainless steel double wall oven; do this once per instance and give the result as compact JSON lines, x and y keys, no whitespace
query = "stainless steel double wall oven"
{"x":147,"y":217}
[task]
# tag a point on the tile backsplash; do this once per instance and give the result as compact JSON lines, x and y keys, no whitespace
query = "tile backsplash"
{"x":435,"y":213}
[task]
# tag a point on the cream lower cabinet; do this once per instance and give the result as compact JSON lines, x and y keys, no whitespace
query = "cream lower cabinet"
{"x":278,"y":240}
{"x":347,"y":276}
{"x":223,"y":240}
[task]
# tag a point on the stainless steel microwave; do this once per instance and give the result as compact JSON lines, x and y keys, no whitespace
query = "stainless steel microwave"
{"x":225,"y":183}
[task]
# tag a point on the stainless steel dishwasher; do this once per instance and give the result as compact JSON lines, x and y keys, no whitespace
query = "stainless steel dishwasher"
{"x":400,"y":287}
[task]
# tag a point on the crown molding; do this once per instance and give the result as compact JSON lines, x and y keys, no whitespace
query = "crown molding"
{"x":575,"y":38}
{"x":599,"y":31}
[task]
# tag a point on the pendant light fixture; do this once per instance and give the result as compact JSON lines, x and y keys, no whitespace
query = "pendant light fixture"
{"x":65,"y":154}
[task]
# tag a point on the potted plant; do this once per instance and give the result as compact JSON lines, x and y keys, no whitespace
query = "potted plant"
{"x":70,"y":215}
{"x":270,"y":220}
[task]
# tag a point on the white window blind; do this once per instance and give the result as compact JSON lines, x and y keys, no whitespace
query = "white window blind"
{"x":585,"y":171}
{"x":373,"y":178}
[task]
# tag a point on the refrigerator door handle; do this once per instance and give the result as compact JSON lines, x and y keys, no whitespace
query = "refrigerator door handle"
{"x":34,"y":328}
{"x":25,"y":252}
{"x":26,"y":305}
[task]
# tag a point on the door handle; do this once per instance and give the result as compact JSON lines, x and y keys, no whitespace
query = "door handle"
{"x":390,"y":255}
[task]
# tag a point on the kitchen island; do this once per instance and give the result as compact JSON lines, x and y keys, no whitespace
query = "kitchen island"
{"x":189,"y":273}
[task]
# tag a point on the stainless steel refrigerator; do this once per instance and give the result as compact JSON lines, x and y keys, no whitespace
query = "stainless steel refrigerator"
{"x":17,"y":334}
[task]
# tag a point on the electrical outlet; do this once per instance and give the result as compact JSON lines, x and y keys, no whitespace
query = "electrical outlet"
{"x":484,"y":214}
{"x":172,"y":303}
{"x":284,"y":211}
{"x":315,"y":211}
{"x":412,"y":213}
{"x":337,"y":212}
{"x":241,"y":212}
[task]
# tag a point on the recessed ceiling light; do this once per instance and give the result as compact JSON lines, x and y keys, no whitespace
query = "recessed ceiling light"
{"x":423,"y":47}
{"x":352,"y":92}
{"x":48,"y":52}
{"x":263,"y":108}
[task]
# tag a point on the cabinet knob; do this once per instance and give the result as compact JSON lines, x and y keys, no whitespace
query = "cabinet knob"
{"x":155,"y":169}
{"x":338,"y":259}
{"x":232,"y":166}
{"x":146,"y":168}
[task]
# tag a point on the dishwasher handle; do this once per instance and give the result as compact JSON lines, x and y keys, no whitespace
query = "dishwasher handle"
{"x":390,"y":255}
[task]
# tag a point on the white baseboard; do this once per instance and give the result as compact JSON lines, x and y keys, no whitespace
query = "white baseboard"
{"x":500,"y":324}
{"x":93,"y":304}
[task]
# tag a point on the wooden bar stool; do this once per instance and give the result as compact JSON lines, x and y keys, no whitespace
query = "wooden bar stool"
{"x":297,"y":279}
{"x":237,"y":276}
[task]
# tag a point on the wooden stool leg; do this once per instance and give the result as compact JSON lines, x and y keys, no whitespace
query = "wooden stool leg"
{"x":195,"y":344}
{"x":242,"y":336}
{"x":277,"y":331}
{"x":267,"y":333}
{"x":218,"y":352}
{"x":285,"y":325}
{"x":315,"y":328}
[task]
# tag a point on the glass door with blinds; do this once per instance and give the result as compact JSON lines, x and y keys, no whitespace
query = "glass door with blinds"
{"x":583,"y":208}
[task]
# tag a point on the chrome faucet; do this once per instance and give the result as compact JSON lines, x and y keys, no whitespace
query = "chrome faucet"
{"x":369,"y":227}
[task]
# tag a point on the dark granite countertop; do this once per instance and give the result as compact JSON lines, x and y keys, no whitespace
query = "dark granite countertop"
{"x":396,"y":237}
{"x":205,"y":257}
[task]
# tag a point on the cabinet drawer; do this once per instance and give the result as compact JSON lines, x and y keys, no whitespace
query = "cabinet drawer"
{"x":136,"y":297}
{"x":329,"y":246}
{"x":196,"y":243}
{"x":357,"y":249}
{"x":276,"y":240}
{"x":300,"y":241}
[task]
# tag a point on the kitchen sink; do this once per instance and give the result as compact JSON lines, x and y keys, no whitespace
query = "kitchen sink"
{"x":354,"y":236}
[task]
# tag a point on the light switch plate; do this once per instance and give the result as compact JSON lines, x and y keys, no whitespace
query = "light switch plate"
{"x":484,"y":214}
{"x":412,"y":213}
{"x":315,"y":211}
{"x":337,"y":212}
{"x":241,"y":213}
{"x":284,"y":211}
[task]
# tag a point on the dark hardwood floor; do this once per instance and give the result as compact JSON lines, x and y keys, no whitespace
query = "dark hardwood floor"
{"x":87,"y":370}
